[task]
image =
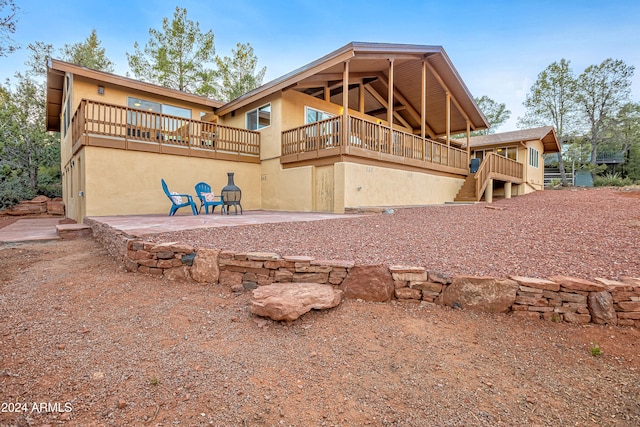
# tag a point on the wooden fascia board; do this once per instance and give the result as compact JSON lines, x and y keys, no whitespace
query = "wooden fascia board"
{"x":287,"y":81}
{"x":100,"y":76}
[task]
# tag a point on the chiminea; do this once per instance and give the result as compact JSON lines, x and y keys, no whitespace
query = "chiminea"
{"x":231,"y":194}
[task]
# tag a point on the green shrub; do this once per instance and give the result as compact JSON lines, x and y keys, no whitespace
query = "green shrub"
{"x":611,"y":180}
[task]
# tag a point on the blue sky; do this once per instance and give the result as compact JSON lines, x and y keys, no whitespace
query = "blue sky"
{"x":498,"y":47}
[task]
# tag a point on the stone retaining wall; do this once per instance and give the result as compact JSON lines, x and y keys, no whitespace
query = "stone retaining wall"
{"x":557,"y":298}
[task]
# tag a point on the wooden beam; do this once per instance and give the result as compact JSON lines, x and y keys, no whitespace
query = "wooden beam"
{"x":361,"y":97}
{"x":383,"y":101}
{"x":446,"y":89}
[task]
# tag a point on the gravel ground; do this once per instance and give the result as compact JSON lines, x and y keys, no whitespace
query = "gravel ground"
{"x":83,"y":343}
{"x":101,"y":347}
{"x":585,"y":233}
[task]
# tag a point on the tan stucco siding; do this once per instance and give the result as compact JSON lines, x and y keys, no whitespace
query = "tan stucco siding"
{"x":376,"y":186}
{"x":286,"y":189}
{"x":534,"y":176}
{"x":84,"y":88}
{"x":270,"y":135}
{"x":135,"y":187}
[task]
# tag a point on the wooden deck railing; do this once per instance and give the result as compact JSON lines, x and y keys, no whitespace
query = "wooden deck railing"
{"x":495,"y":166}
{"x":368,"y":139}
{"x":138,"y":126}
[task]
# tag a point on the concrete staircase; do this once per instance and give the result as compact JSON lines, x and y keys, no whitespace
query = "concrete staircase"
{"x":467,"y":192}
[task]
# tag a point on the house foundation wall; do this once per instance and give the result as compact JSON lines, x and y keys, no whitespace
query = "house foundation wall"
{"x":124,"y":182}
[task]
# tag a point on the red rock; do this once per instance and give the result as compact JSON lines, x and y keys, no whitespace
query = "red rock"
{"x":534,"y":282}
{"x":370,"y":283}
{"x":613,"y":285}
{"x":577,"y":318}
{"x":577,"y":284}
{"x":439,"y":277}
{"x":487,"y":294}
{"x":635,"y":315}
{"x":335,"y":263}
{"x":205,"y":267}
{"x":230,"y":278}
{"x":629,"y":305}
{"x":262,"y":256}
{"x":601,"y":308}
{"x":407,"y":293}
{"x":288,"y":301}
{"x":177,"y":274}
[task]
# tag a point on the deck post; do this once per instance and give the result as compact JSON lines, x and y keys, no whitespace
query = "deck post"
{"x":507,"y":190}
{"x":488,"y":192}
{"x":390,"y":97}
{"x":423,"y":112}
{"x":468,"y":142}
{"x":345,"y":105}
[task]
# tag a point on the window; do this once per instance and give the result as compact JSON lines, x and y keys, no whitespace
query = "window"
{"x":311,"y":115}
{"x":533,"y":157}
{"x":259,"y":118}
{"x":148,"y":117}
{"x":508,"y":152}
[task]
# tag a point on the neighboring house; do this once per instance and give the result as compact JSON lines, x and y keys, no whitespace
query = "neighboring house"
{"x":366,"y":125}
{"x":525,"y":147}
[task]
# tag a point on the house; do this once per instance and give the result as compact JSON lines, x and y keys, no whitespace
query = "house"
{"x":525,"y":147}
{"x":367,"y":125}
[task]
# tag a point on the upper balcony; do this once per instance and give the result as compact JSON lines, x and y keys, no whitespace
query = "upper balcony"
{"x":114,"y":126}
{"x":367,"y":140}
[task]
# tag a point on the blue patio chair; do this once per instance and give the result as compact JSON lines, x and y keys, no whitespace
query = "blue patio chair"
{"x":207,"y":198}
{"x":178,"y":200}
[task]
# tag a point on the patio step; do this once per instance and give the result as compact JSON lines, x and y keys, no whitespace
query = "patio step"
{"x":73,"y":231}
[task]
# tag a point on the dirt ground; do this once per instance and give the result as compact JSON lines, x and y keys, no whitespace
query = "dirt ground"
{"x":83,"y":343}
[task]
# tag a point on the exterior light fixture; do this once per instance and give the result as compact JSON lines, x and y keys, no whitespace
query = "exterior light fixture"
{"x":100,"y":90}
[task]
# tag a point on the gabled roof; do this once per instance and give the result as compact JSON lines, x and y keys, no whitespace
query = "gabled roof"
{"x":56,"y":70}
{"x":546,"y":134}
{"x":370,"y":62}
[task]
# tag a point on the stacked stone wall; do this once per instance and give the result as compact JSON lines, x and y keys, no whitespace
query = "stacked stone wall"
{"x":557,"y":298}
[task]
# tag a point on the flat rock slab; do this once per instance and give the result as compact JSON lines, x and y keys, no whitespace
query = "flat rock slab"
{"x":288,"y":301}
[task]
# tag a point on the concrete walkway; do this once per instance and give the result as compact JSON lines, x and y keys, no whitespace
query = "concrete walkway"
{"x":31,"y":229}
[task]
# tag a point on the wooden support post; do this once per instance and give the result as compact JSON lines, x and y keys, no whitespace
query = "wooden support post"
{"x":361,"y":98}
{"x":345,"y":105}
{"x":448,"y":107}
{"x":327,"y":93}
{"x":423,"y":112}
{"x":488,"y":192}
{"x":507,"y":190}
{"x":468,"y":142}
{"x":390,"y":95}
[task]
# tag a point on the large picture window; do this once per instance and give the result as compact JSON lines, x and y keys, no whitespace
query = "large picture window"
{"x":259,"y":118}
{"x":149,"y":119}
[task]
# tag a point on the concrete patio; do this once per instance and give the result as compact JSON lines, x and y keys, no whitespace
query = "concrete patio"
{"x":34,"y":229}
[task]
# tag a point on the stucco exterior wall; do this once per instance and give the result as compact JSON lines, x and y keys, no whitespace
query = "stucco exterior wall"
{"x":136,"y":189}
{"x":287,"y":189}
{"x":376,"y":186}
{"x":534,"y":176}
